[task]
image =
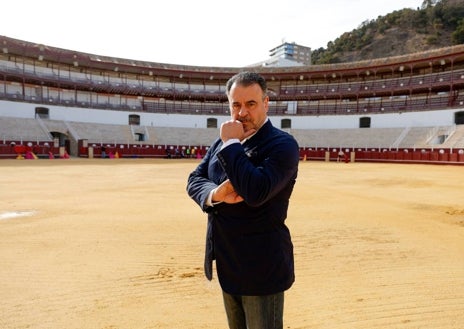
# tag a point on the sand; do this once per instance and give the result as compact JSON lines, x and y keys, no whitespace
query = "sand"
{"x":118,"y":244}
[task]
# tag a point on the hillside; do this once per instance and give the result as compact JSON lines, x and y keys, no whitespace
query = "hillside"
{"x":436,"y":24}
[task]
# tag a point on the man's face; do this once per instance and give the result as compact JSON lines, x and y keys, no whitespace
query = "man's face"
{"x":248,"y":105}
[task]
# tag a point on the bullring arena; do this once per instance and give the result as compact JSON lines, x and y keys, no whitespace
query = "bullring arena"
{"x":118,"y":244}
{"x":97,"y":230}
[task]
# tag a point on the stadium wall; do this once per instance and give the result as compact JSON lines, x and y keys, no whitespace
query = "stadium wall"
{"x":388,"y":120}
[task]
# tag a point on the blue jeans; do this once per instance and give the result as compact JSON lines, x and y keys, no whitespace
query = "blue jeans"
{"x":254,"y":312}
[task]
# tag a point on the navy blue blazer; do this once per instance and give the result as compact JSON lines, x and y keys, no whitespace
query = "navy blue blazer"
{"x":249,"y":240}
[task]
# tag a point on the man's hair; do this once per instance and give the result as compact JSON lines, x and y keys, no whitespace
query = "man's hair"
{"x":246,"y":79}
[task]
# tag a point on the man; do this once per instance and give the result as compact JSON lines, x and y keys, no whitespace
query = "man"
{"x":244,"y":183}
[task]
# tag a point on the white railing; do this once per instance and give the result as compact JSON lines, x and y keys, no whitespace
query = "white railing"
{"x":400,"y":138}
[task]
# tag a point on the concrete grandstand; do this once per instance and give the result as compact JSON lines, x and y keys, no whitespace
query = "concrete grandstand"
{"x":398,"y":109}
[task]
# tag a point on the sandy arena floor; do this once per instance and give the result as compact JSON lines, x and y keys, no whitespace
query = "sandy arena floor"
{"x":106,"y":244}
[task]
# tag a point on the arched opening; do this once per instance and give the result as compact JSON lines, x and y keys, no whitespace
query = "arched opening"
{"x":286,"y":123}
{"x":365,"y":122}
{"x":42,"y":112}
{"x":139,"y":137}
{"x":459,"y":118}
{"x":134,"y":119}
{"x":211,"y":123}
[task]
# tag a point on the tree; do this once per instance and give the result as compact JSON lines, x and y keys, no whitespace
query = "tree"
{"x":458,"y":35}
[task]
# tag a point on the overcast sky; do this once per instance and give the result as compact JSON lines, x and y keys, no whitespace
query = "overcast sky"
{"x":191,"y":32}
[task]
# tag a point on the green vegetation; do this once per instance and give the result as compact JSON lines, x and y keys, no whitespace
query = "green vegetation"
{"x":438,"y":23}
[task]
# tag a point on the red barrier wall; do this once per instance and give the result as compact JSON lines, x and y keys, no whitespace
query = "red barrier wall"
{"x":443,"y":156}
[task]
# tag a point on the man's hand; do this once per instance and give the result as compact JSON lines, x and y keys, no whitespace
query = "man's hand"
{"x":234,"y":129}
{"x":226,"y":193}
